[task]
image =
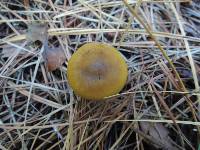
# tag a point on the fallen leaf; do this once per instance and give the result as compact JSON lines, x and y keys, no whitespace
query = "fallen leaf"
{"x":8,"y":50}
{"x":37,"y":32}
{"x":159,"y":134}
{"x":53,"y":57}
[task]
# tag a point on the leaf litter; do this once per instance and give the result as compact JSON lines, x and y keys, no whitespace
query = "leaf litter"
{"x":99,"y":125}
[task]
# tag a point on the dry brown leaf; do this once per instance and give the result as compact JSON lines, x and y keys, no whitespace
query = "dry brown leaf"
{"x":159,"y":134}
{"x":37,"y":32}
{"x":53,"y":57}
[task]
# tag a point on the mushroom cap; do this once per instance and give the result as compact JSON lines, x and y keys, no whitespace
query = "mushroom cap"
{"x":97,"y":70}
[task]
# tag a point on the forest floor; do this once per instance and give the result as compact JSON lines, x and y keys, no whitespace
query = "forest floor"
{"x":159,"y":107}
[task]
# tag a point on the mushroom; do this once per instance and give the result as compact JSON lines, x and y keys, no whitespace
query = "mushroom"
{"x":97,"y":70}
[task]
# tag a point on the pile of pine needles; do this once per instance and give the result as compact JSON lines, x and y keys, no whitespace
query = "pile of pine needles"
{"x":158,"y":107}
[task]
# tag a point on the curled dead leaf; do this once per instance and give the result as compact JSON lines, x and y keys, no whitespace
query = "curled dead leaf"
{"x":37,"y":32}
{"x":53,"y":57}
{"x":8,"y":50}
{"x":159,"y":135}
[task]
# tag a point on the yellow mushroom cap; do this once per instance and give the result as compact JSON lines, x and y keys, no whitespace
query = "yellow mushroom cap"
{"x":97,"y":70}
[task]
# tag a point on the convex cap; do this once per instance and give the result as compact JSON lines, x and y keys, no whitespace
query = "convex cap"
{"x":97,"y":70}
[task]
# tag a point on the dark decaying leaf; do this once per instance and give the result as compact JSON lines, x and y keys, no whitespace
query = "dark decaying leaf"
{"x":37,"y":32}
{"x":53,"y":57}
{"x":159,"y":135}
